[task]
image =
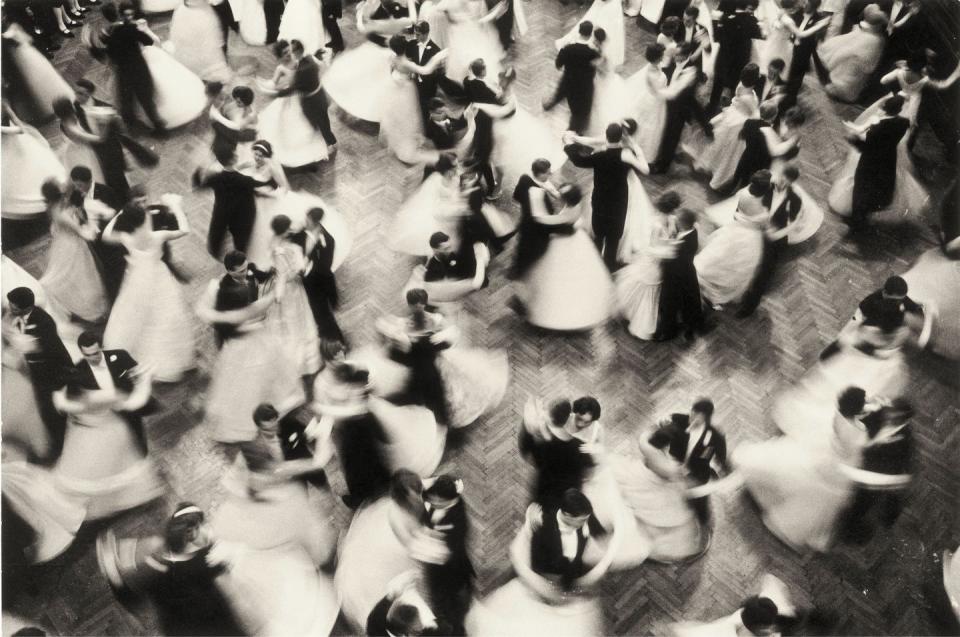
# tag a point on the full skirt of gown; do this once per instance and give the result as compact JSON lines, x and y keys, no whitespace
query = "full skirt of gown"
{"x":778,"y":43}
{"x":295,"y":141}
{"x":359,"y":81}
{"x":799,"y":489}
{"x":513,"y":609}
{"x":295,"y":204}
{"x":401,"y":125}
{"x":611,"y":101}
{"x":934,"y":282}
{"x":414,"y":439}
{"x":180,"y":95}
{"x":851,"y":59}
{"x":151,"y":318}
{"x":467,"y":41}
{"x":103,"y":467}
{"x":721,"y":156}
{"x":54,"y":517}
{"x":663,"y":514}
{"x":159,"y":6}
{"x":522,"y":138}
{"x":569,"y":287}
{"x":302,"y":20}
{"x":808,"y":220}
{"x":370,"y":555}
{"x":23,"y":428}
{"x":197,"y":40}
{"x":608,"y":15}
{"x":429,"y":209}
{"x":253,"y":22}
{"x":250,"y":369}
{"x":638,"y":288}
{"x":437,"y":19}
{"x":26,"y":161}
{"x":293,"y":320}
{"x":43,"y":85}
{"x":72,"y":278}
{"x":650,"y":113}
{"x":728,"y":263}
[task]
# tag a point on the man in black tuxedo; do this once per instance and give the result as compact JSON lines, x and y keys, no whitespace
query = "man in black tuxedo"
{"x":884,"y":471}
{"x":448,"y":263}
{"x":331,"y":11}
{"x":109,"y":151}
{"x":611,"y":165}
{"x":680,"y":302}
{"x":313,"y":99}
{"x":442,"y":128}
{"x":111,"y":369}
{"x":785,"y":205}
{"x":99,"y":203}
{"x":578,"y":62}
{"x":234,"y":202}
{"x":533,"y":237}
{"x":692,"y":440}
{"x":123,"y":42}
{"x":813,"y":23}
{"x":682,"y":106}
{"x":46,"y":357}
{"x":558,"y":457}
{"x":420,"y":51}
{"x":319,"y":281}
{"x":692,"y":32}
{"x":771,"y":87}
{"x":450,"y":583}
{"x":238,"y":288}
{"x":477,"y":91}
{"x":388,"y":10}
{"x":735,"y":34}
{"x":226,"y":18}
{"x":875,"y":178}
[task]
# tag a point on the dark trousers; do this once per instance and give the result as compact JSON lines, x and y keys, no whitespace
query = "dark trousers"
{"x":240,"y":226}
{"x":332,"y":27}
{"x":579,"y":99}
{"x":772,"y":251}
{"x":855,"y":527}
{"x":273,"y":12}
{"x":227,"y":21}
{"x":450,"y":589}
{"x":134,"y":85}
{"x":322,"y":296}
{"x":799,"y":65}
{"x":315,"y":109}
{"x":45,"y":381}
{"x":607,"y":232}
{"x":680,"y":302}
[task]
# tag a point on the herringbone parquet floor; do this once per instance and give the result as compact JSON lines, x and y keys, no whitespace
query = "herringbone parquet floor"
{"x":742,"y":364}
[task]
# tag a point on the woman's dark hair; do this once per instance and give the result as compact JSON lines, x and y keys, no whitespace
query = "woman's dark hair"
{"x":571,"y":194}
{"x":668,"y":202}
{"x":758,"y":613}
{"x":629,"y":126}
{"x":243,"y":94}
{"x":81,"y":173}
{"x":233,"y":259}
{"x":63,"y":108}
{"x":560,"y":411}
{"x":760,"y":183}
{"x":280,"y":224}
{"x":109,"y":11}
{"x":850,"y":402}
{"x":182,"y":526}
{"x":417,"y":296}
{"x":405,"y":489}
{"x":264,"y":412}
{"x":587,"y":405}
{"x":280,"y":48}
{"x":445,"y":163}
{"x":132,"y":217}
{"x":600,"y":35}
{"x":670,"y":26}
{"x":51,"y":191}
{"x":575,"y":504}
{"x":398,"y":43}
{"x":654,"y":53}
{"x":750,"y":75}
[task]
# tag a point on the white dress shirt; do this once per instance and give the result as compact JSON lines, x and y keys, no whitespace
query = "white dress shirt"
{"x":102,"y":374}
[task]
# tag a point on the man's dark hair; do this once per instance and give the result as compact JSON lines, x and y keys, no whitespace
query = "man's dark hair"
{"x":560,"y":411}
{"x":895,"y":287}
{"x":575,"y":504}
{"x":778,"y":64}
{"x":81,"y":173}
{"x":417,"y":295}
{"x":444,"y":488}
{"x":759,"y":613}
{"x":233,"y":259}
{"x":88,"y":338}
{"x":438,"y":238}
{"x":668,"y":202}
{"x":540,"y":166}
{"x":850,"y":402}
{"x":264,"y":412}
{"x":316,"y":215}
{"x":22,"y":297}
{"x":587,"y":405}
{"x":614,"y":133}
{"x":280,"y":224}
{"x":296,"y":46}
{"x":585,"y":29}
{"x":703,"y":406}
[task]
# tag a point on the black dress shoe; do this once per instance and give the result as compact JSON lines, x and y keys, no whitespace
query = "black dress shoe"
{"x":75,"y":16}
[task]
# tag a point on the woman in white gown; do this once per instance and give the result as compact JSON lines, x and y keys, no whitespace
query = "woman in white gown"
{"x":722,"y":155}
{"x":276,"y":197}
{"x":852,"y":57}
{"x":568,"y":288}
{"x":104,"y":466}
{"x":33,"y":84}
{"x":606,"y":15}
{"x":360,"y":79}
{"x":293,"y":140}
{"x":778,"y":36}
{"x":72,"y":276}
{"x":302,"y":20}
{"x":252,"y":366}
{"x":611,"y":100}
{"x":291,"y":315}
{"x":198,"y":41}
{"x":648,"y":107}
{"x":436,"y":206}
{"x":151,"y":318}
{"x":180,"y":96}
{"x":274,"y":538}
{"x":639,"y":284}
{"x":732,"y":256}
{"x":27,"y":161}
{"x":376,"y":547}
{"x":471,"y":34}
{"x":459,"y":384}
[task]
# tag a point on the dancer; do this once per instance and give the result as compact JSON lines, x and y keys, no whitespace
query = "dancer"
{"x":33,"y":84}
{"x":331,"y":11}
{"x":471,"y":34}
{"x":150,"y":317}
{"x":260,"y":21}
{"x":649,"y":107}
{"x":606,"y":15}
{"x":234,"y":201}
{"x":850,"y":59}
{"x":436,"y":206}
{"x":576,"y":61}
{"x":737,"y":29}
{"x":199,"y":42}
{"x":567,"y":267}
{"x":27,"y":163}
{"x":303,"y":22}
{"x":811,"y":27}
{"x":252,"y":366}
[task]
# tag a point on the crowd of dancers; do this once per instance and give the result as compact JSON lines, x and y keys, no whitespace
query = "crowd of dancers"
{"x":301,"y":410}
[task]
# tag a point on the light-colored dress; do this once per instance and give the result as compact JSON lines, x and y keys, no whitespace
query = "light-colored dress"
{"x":159,"y":6}
{"x":805,"y":225}
{"x":851,"y":59}
{"x":514,"y":609}
{"x":521,"y":138}
{"x":401,"y":124}
{"x":468,"y":39}
{"x":359,"y":81}
{"x":639,"y":284}
{"x":732,"y":256}
{"x":934,"y":282}
{"x":198,"y":40}
{"x":42,"y":84}
{"x":436,"y":206}
{"x":253,"y":22}
{"x":607,"y":15}
{"x":282,"y":122}
{"x":303,"y":20}
{"x":648,"y":108}
{"x":721,"y":156}
{"x":26,"y":162}
{"x":72,"y":278}
{"x":415,"y":441}
{"x":611,"y":97}
{"x":778,"y":42}
{"x":150,"y":318}
{"x":179,"y":94}
{"x":291,"y":315}
{"x":102,"y":466}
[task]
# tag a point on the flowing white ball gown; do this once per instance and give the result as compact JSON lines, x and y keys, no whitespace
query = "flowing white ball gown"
{"x":302,"y":20}
{"x":291,"y":315}
{"x":468,"y":38}
{"x":435,"y":206}
{"x":26,"y":161}
{"x":640,"y":283}
{"x":150,"y":317}
{"x":721,"y":156}
{"x":282,"y":122}
{"x":253,"y":21}
{"x":851,"y":59}
{"x":728,"y":263}
{"x":197,"y":41}
{"x":158,"y":6}
{"x":608,"y":15}
{"x":805,"y":225}
{"x":37,"y":84}
{"x":72,"y":277}
{"x":934,"y":282}
{"x":180,"y":95}
{"x":648,"y":108}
